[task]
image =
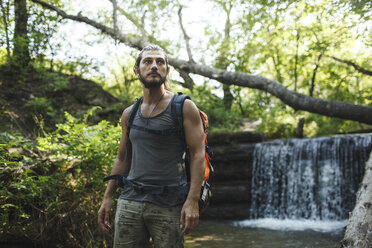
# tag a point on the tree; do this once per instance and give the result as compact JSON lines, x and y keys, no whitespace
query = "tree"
{"x":21,"y":55}
{"x":222,"y":61}
{"x":5,"y":8}
{"x":26,"y":30}
{"x":297,"y":101}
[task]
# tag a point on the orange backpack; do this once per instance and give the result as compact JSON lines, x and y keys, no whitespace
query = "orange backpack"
{"x":206,"y":192}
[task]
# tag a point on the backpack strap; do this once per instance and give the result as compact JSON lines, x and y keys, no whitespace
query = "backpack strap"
{"x":132,"y":114}
{"x":177,"y":111}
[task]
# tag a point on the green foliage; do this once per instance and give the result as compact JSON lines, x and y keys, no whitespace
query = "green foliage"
{"x":79,"y":66}
{"x":213,"y":106}
{"x":3,"y":58}
{"x":278,"y":121}
{"x":11,"y":161}
{"x":123,"y":83}
{"x":44,"y":25}
{"x":50,"y":195}
{"x":39,"y":104}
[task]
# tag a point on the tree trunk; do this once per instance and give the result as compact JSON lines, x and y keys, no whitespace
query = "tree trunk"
{"x":300,"y":128}
{"x":21,"y":55}
{"x":297,"y":101}
{"x":227,"y":96}
{"x":296,"y":60}
{"x":5,"y":6}
{"x":222,"y":59}
{"x":359,"y":230}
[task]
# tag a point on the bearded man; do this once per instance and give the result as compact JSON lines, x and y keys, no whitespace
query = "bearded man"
{"x":156,"y":201}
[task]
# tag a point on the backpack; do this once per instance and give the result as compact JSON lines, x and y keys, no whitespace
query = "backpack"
{"x":176,"y":110}
{"x":206,"y":192}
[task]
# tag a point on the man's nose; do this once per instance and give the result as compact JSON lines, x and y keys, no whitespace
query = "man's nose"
{"x":154,"y":65}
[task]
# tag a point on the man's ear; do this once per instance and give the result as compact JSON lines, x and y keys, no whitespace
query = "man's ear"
{"x":168,"y":70}
{"x":135,"y":69}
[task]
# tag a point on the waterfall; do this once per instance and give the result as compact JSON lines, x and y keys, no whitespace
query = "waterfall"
{"x":312,"y":179}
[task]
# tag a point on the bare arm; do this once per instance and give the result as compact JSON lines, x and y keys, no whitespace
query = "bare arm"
{"x":195,"y":141}
{"x":121,"y":166}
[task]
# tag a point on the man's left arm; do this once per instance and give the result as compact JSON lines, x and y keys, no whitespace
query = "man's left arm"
{"x":194,"y":134}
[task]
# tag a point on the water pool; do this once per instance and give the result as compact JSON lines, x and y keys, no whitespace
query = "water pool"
{"x":224,"y":234}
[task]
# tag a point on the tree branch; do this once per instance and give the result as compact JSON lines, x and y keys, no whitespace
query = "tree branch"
{"x":296,"y":60}
{"x":183,"y":84}
{"x":114,"y":17}
{"x":189,"y":83}
{"x":223,"y":61}
{"x":134,"y":42}
{"x":143,"y":30}
{"x":128,"y":16}
{"x":356,"y":67}
{"x":312,"y":84}
{"x":293,"y":99}
{"x":296,"y":100}
{"x":186,"y":37}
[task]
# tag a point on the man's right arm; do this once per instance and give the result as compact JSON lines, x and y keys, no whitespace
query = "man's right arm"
{"x":121,"y":166}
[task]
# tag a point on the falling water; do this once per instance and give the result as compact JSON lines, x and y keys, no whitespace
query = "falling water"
{"x":308,"y":179}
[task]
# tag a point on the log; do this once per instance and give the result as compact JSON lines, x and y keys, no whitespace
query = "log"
{"x":358,"y":233}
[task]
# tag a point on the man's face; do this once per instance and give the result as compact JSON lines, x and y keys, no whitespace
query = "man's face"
{"x":152,"y":69}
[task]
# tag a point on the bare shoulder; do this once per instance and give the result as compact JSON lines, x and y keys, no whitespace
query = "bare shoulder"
{"x":189,"y":106}
{"x":192,"y":124}
{"x":190,"y":110}
{"x":125,"y":115}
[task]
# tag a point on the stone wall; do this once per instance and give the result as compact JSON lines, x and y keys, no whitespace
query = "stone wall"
{"x":232,"y":175}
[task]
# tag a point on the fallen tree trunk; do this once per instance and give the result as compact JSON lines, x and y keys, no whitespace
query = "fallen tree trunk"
{"x":297,"y":101}
{"x":358,"y":233}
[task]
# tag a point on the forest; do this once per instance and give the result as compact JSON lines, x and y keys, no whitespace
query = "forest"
{"x":281,"y":68}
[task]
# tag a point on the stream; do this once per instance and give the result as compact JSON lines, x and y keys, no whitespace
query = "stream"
{"x":225,"y":234}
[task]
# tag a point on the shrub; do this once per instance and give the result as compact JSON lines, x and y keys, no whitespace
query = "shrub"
{"x":51,"y":190}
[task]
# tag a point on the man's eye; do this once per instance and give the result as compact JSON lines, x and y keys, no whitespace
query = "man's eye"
{"x":160,"y":62}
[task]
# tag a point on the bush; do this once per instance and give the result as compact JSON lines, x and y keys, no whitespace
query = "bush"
{"x":51,"y":191}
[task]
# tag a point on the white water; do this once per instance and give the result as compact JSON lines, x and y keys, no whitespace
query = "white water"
{"x":294,"y":225}
{"x":312,"y":179}
{"x":306,"y":184}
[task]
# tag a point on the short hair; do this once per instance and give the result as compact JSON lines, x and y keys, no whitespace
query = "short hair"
{"x":151,"y":47}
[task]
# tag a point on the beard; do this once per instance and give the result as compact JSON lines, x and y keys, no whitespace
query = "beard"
{"x":151,"y":83}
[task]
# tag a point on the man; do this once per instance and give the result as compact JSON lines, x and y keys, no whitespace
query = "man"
{"x":154,"y":160}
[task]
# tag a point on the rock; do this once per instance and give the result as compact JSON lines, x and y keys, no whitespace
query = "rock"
{"x":358,"y":232}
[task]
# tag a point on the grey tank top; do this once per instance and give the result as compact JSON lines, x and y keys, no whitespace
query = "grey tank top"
{"x":156,"y":159}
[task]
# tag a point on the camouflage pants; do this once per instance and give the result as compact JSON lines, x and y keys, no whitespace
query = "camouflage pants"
{"x":136,"y":222}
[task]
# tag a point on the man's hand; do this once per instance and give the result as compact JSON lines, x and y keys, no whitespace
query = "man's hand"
{"x":104,"y":215}
{"x":189,"y":216}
